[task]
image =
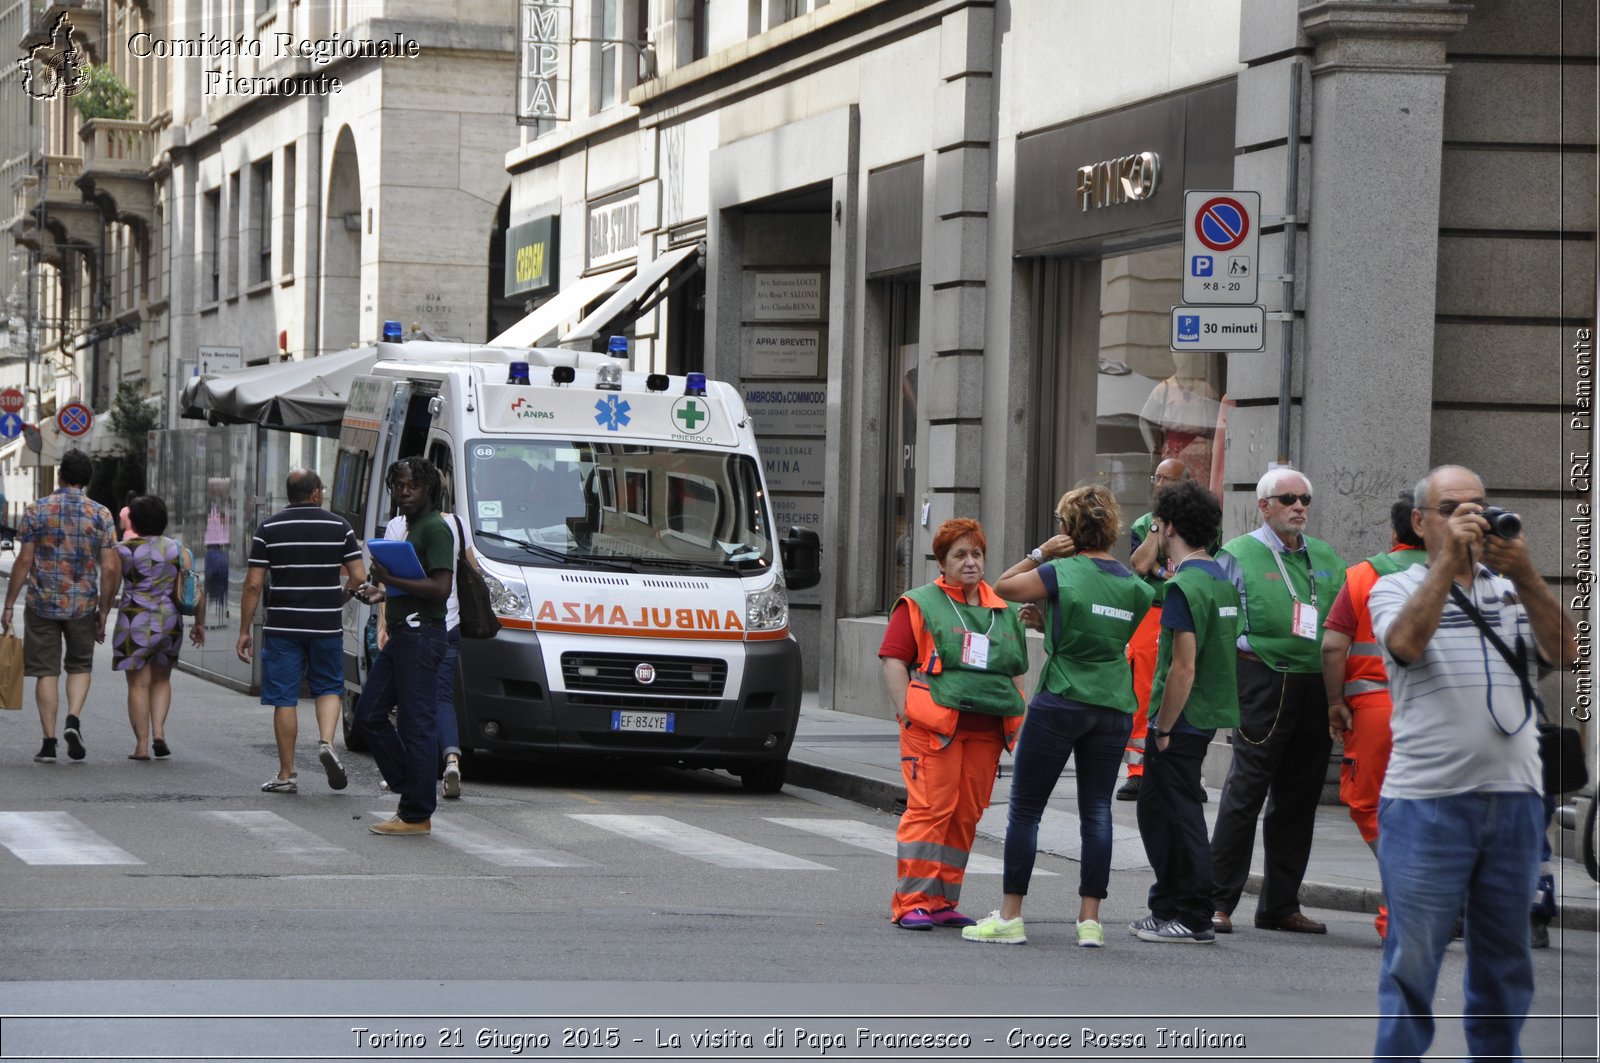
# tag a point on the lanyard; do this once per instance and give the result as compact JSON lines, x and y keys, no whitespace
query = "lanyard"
{"x":961,"y":621}
{"x":1311,"y":577}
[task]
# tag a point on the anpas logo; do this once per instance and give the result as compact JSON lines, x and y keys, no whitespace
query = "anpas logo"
{"x":56,"y":67}
{"x":524,"y":410}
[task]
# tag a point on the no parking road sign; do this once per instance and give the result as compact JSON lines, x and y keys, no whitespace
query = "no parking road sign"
{"x":1221,"y":238}
{"x":75,"y":419}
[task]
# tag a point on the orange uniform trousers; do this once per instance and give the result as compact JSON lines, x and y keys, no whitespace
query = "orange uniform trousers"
{"x":948,"y":785}
{"x":1366,"y":759}
{"x":1142,"y":655}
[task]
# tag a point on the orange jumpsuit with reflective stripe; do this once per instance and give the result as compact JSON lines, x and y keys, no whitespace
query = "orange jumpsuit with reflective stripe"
{"x":948,"y":759}
{"x":1142,"y":656}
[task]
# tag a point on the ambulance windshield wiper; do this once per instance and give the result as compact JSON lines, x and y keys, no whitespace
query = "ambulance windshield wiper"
{"x":679,"y":563}
{"x":532,"y":548}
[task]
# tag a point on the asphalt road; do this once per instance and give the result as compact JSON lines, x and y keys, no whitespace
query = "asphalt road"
{"x":570,"y":902}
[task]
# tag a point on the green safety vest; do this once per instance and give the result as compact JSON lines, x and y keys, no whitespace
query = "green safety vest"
{"x":958,"y":686}
{"x":1269,"y":610}
{"x":1086,"y":634}
{"x":1214,"y":605}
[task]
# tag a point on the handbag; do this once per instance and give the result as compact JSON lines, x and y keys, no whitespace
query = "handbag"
{"x":10,"y":672}
{"x":188,"y":585}
{"x":1561,"y":752}
{"x":478,"y":619}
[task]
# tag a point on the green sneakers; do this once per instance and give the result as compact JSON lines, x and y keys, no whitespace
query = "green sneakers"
{"x":1001,"y":931}
{"x":1090,"y":934}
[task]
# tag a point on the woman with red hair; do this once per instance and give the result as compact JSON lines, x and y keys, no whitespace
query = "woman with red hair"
{"x":953,"y":660}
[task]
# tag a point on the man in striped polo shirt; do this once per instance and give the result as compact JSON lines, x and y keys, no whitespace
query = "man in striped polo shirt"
{"x":1461,"y":816}
{"x":315,"y":565}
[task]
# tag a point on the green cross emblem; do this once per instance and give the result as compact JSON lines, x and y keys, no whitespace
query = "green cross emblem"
{"x":691,"y":415}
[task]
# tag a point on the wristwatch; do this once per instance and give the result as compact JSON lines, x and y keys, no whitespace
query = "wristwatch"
{"x":1037,"y":555}
{"x":1157,"y":732}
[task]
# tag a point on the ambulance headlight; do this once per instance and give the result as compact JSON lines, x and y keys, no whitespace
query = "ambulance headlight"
{"x":767,"y":610}
{"x":508,"y":596}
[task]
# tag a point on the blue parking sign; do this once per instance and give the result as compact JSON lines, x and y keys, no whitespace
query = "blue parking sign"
{"x":1200,"y":265}
{"x":1188,"y":328}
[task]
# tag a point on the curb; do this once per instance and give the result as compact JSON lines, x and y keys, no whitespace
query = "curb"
{"x":852,"y":785}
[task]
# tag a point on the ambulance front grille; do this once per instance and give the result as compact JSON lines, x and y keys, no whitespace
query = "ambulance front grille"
{"x":697,"y":677}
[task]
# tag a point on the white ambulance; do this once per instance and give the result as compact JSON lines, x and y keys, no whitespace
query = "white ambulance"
{"x":624,"y":529}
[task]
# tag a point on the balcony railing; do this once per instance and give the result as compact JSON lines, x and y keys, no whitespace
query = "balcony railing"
{"x":116,"y":146}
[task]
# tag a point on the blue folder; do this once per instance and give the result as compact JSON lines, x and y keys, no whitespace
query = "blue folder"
{"x":398,"y":556}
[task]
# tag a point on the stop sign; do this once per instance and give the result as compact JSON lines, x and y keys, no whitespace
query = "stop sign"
{"x":11,"y":401}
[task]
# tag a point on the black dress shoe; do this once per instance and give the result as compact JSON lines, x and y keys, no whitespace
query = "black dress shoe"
{"x":1294,"y":923}
{"x":1129,"y":791}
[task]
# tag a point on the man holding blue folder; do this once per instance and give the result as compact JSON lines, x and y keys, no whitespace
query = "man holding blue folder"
{"x":406,"y":674}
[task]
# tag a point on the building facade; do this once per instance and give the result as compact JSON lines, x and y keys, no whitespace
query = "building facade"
{"x":942,"y":239}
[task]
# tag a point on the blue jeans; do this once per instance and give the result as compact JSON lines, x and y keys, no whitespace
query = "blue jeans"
{"x":448,"y":736}
{"x":406,"y":677}
{"x":1095,"y":738}
{"x":1481,"y":848}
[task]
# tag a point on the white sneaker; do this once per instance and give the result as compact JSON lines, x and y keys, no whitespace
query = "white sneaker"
{"x":452,"y":778}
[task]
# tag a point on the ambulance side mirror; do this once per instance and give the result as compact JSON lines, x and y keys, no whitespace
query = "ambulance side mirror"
{"x":802,"y":559}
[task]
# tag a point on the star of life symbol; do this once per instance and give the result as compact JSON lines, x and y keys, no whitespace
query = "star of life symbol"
{"x":55,"y":67}
{"x":613,"y":413}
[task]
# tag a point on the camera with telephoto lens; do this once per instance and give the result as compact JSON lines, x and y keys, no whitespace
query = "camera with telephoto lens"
{"x":1505,"y":524}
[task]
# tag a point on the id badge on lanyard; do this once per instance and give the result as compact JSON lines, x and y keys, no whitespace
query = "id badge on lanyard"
{"x":1304,"y":623}
{"x":974,"y":649}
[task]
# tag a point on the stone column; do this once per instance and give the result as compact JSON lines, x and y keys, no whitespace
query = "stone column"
{"x":1369,"y":278}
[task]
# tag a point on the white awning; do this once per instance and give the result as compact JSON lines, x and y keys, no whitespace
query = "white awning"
{"x":626,"y":303}
{"x":560,"y":308}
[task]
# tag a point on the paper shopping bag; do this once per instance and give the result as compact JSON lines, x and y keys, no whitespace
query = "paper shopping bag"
{"x":10,"y":672}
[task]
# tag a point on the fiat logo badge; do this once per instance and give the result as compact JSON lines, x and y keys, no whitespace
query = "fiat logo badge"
{"x":645,"y":673}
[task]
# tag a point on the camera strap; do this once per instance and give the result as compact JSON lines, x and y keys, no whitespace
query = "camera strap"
{"x":1518,"y":660}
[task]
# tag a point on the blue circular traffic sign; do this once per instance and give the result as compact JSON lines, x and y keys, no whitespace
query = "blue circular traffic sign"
{"x":75,"y":419}
{"x":1222,"y":223}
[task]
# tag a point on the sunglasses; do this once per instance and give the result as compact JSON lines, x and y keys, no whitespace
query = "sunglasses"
{"x":1445,"y":509}
{"x":1291,"y":499}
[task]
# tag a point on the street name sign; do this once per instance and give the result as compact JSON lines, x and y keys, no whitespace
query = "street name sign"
{"x":1219,"y":328}
{"x":1221,"y":246}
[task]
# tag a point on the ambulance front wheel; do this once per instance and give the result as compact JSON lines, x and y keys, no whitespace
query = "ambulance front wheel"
{"x":766,"y":777}
{"x":353,"y":741}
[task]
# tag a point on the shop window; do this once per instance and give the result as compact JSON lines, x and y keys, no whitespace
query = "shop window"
{"x":1120,"y":401}
{"x":902,"y":507}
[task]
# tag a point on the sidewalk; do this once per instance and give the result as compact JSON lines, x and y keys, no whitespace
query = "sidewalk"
{"x":858,"y":758}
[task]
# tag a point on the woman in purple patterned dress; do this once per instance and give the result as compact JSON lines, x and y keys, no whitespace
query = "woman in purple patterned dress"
{"x":149,"y":630}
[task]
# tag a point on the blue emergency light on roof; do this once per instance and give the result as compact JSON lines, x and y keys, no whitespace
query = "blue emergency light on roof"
{"x":617,"y":347}
{"x":392,"y":332}
{"x":518,"y":373}
{"x":694,"y":384}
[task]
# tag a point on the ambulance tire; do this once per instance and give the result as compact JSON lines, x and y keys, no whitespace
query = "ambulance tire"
{"x":353,"y":741}
{"x":766,"y":777}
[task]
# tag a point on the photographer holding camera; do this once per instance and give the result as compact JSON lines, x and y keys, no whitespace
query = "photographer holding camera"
{"x":1461,"y":815}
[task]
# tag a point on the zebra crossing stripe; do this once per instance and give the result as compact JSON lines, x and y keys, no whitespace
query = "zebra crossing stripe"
{"x":696,"y":843}
{"x":282,"y":838}
{"x":482,"y":844}
{"x":42,"y":838}
{"x":881,"y":841}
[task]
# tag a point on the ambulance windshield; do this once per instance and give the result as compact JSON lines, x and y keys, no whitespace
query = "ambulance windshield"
{"x":558,"y":502}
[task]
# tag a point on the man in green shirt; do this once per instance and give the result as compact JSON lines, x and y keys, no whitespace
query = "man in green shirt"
{"x":1194,"y":693}
{"x":405,"y":677}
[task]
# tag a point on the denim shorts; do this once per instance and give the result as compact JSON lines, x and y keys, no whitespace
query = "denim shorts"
{"x":285,"y":661}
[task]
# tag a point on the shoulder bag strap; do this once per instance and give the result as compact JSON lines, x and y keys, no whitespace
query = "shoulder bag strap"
{"x":1519,"y":664}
